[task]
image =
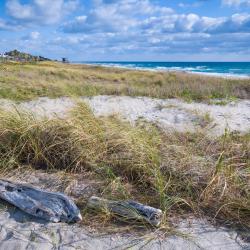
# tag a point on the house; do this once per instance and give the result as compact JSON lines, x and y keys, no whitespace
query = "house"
{"x":2,"y":55}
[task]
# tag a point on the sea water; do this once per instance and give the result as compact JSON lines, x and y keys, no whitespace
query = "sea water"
{"x":224,"y":69}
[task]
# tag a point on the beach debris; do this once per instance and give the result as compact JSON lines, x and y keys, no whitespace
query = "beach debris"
{"x":51,"y":206}
{"x":127,"y":210}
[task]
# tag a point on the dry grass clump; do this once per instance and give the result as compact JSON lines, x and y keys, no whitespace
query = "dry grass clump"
{"x":24,"y":81}
{"x":78,"y":143}
{"x":212,"y":175}
{"x":177,"y":172}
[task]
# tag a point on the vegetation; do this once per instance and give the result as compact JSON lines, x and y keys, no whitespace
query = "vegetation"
{"x":17,"y":55}
{"x":178,"y":172}
{"x":24,"y":81}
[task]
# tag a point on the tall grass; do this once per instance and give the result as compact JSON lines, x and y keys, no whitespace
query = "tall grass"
{"x":178,"y":172}
{"x":81,"y":142}
{"x":23,"y":81}
{"x":212,"y":175}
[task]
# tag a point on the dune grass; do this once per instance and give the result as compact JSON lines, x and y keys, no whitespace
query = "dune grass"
{"x":25,"y":81}
{"x":78,"y":143}
{"x":212,"y":175}
{"x":177,"y":172}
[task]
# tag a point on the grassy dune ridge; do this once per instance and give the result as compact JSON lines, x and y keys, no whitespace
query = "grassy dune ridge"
{"x":177,"y":172}
{"x":25,"y":81}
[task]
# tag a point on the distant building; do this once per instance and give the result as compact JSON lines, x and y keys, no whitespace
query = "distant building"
{"x":65,"y":60}
{"x":3,"y":55}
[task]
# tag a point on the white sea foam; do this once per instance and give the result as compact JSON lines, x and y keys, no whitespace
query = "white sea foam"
{"x":223,"y":75}
{"x":200,"y":69}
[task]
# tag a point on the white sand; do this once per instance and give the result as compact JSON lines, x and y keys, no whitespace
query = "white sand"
{"x":18,"y":231}
{"x":168,"y":113}
{"x":23,"y":232}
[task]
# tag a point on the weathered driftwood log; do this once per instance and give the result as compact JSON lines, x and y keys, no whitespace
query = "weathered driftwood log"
{"x":50,"y":206}
{"x":128,"y":210}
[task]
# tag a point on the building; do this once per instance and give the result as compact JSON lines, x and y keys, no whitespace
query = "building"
{"x":65,"y":60}
{"x":2,"y":55}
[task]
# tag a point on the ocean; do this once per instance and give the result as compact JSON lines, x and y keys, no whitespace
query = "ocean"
{"x":224,"y":69}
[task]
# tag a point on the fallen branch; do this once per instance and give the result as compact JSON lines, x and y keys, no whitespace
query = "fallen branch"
{"x":129,"y":210}
{"x":50,"y":206}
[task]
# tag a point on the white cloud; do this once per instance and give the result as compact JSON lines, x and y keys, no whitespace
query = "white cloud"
{"x":236,"y":3}
{"x":34,"y":35}
{"x":187,"y":22}
{"x":128,"y":27}
{"x":40,"y":11}
{"x":3,"y":25}
{"x":110,"y":16}
{"x":8,"y":25}
{"x":144,"y":16}
{"x":196,"y":24}
{"x":117,"y":27}
{"x":165,"y":34}
{"x":190,"y":5}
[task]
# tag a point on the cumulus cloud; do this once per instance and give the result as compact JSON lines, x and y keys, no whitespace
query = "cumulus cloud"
{"x":143,"y":16}
{"x":9,"y":25}
{"x":3,"y":25}
{"x":162,"y":44}
{"x":126,"y":27}
{"x":110,"y":16}
{"x":196,"y":24}
{"x":34,"y":35}
{"x":190,"y":5}
{"x":236,"y":3}
{"x":144,"y":27}
{"x":40,"y":11}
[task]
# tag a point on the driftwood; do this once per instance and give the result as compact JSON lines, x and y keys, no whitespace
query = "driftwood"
{"x":128,"y":210}
{"x":50,"y":206}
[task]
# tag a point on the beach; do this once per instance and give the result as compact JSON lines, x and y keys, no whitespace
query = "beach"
{"x":124,"y":124}
{"x":175,"y":141}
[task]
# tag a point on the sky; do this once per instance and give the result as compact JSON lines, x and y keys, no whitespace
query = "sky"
{"x":128,"y":30}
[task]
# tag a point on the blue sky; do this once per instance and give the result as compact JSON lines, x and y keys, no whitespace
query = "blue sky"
{"x":128,"y":30}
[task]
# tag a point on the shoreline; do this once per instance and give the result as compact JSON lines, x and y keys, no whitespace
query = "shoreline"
{"x":167,"y":70}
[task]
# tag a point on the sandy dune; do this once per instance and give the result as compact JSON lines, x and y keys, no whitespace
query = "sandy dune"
{"x":168,"y":113}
